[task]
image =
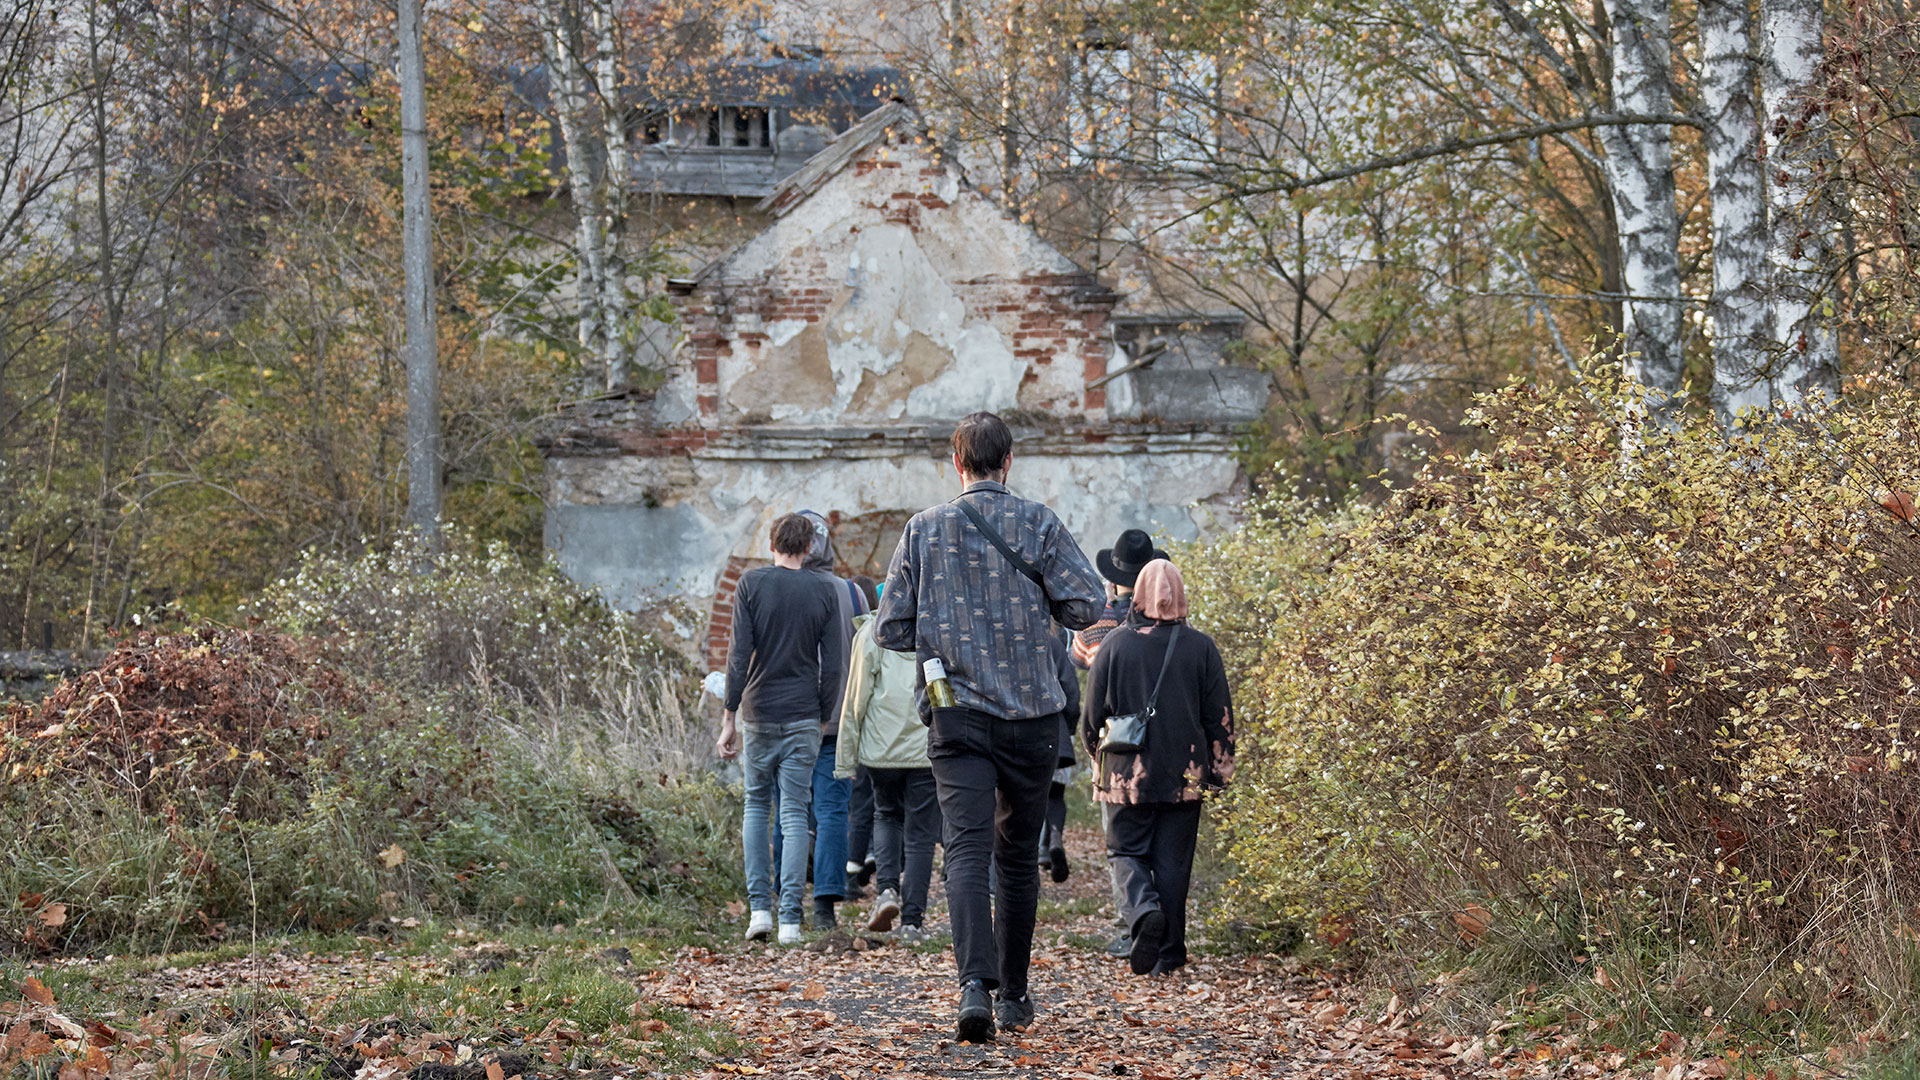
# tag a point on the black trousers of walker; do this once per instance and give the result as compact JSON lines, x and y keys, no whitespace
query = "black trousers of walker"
{"x":1151,"y":848}
{"x":906,"y":825}
{"x":860,"y":818}
{"x":992,"y":774}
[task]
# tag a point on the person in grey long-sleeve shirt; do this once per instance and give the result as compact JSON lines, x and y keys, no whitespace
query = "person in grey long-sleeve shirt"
{"x":787,"y":659}
{"x":786,"y":665}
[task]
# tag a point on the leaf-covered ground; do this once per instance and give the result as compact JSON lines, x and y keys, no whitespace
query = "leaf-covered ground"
{"x":445,"y":1003}
{"x":580,"y":1002}
{"x":856,"y":1005}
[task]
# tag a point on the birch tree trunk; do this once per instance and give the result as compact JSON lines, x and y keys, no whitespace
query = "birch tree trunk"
{"x":590,"y":173}
{"x":1640,"y":173}
{"x":422,"y":348}
{"x":616,"y":156}
{"x":1730,"y":131}
{"x":1799,"y":150}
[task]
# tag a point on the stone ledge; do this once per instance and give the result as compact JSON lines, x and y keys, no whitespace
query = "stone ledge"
{"x":784,"y":443}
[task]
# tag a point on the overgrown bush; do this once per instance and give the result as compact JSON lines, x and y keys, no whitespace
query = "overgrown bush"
{"x":539,"y":657}
{"x":1646,"y":703}
{"x":483,"y":740}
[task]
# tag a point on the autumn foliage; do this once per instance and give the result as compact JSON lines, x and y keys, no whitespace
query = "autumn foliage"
{"x":1608,"y":692}
{"x":202,"y":709}
{"x":485,"y":739}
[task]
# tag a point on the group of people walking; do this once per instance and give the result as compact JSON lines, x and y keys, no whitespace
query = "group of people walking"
{"x":952,"y":691}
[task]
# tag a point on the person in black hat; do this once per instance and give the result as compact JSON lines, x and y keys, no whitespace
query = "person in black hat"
{"x":1120,"y":565}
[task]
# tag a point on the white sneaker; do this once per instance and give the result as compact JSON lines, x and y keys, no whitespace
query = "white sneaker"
{"x":789,"y":933}
{"x":885,"y":910}
{"x":760,"y":926}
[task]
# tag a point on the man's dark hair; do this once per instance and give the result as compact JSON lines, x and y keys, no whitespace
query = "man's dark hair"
{"x":869,"y":588}
{"x":792,"y":534}
{"x":983,"y":443}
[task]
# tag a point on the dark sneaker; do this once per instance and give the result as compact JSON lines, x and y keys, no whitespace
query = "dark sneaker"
{"x":976,"y":1014}
{"x":823,"y":917}
{"x":1057,"y":863}
{"x":1148,"y":935}
{"x":1121,"y":947}
{"x":864,"y":876}
{"x":1014,"y":1014}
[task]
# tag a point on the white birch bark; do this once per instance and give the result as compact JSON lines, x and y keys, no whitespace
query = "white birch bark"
{"x":1742,"y":346}
{"x":1799,"y":149}
{"x":573,"y":90}
{"x":615,"y":156}
{"x":1640,"y":173}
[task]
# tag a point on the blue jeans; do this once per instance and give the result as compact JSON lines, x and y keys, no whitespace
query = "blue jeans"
{"x":828,"y":817}
{"x":778,"y":755}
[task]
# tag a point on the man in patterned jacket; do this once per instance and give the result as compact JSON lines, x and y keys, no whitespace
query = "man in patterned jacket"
{"x":987,"y":611}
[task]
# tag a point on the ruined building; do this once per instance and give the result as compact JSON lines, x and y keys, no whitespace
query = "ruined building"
{"x":824,"y":361}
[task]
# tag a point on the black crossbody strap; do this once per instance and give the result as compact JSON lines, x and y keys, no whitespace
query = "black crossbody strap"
{"x":993,"y":536}
{"x":1154,"y":698}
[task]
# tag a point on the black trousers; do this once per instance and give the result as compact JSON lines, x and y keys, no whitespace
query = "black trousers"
{"x":1150,"y":847}
{"x":992,"y":775}
{"x":906,"y":825}
{"x":860,"y":818}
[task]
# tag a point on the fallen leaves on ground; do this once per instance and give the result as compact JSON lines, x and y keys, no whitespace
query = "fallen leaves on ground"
{"x":888,"y":1010}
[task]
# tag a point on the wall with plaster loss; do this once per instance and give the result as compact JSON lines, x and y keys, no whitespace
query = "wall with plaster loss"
{"x":824,"y":363}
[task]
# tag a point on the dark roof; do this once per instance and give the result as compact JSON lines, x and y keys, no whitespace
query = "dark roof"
{"x":769,"y":82}
{"x":776,"y":82}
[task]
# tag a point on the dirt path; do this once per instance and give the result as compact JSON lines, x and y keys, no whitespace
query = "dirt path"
{"x":861,"y":1008}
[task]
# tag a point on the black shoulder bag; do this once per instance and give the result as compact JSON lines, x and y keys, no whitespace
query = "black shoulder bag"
{"x":993,"y":537}
{"x":1128,"y":734}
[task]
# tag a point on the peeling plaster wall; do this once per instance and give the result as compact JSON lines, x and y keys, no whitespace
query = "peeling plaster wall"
{"x":606,"y":534}
{"x":893,"y":293}
{"x":825,"y":361}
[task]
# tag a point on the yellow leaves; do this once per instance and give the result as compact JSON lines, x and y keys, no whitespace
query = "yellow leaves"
{"x":392,"y":856}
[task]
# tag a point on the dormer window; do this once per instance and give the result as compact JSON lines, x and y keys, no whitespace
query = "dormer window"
{"x":739,"y":127}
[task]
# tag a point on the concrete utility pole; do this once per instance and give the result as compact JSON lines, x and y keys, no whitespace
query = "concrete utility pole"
{"x":422,"y":351}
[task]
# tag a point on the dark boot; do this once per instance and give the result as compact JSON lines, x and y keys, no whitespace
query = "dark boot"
{"x":976,"y":1014}
{"x":1148,"y":935}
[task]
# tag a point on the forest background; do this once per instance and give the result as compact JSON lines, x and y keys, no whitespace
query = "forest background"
{"x":1508,"y":704}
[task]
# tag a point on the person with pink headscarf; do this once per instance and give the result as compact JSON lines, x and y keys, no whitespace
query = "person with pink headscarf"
{"x":1155,"y":793}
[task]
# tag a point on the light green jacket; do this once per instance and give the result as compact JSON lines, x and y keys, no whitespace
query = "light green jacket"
{"x":879,"y":726}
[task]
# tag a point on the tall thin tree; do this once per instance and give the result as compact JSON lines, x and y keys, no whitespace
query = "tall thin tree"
{"x":1730,"y":133}
{"x":423,"y":362}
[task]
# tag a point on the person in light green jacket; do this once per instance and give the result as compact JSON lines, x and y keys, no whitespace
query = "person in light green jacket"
{"x":880,"y":729}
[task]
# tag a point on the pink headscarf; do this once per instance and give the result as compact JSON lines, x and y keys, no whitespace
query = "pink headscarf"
{"x":1159,"y":593}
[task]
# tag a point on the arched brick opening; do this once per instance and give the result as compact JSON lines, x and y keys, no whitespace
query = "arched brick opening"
{"x":720,"y":616}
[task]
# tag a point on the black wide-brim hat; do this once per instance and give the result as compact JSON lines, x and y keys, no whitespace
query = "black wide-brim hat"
{"x":1122,"y":563}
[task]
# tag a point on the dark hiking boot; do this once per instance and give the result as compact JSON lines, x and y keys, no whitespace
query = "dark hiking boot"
{"x":1057,"y":863}
{"x":1014,"y":1014}
{"x":976,"y":1014}
{"x":1148,"y":935}
{"x":823,"y":917}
